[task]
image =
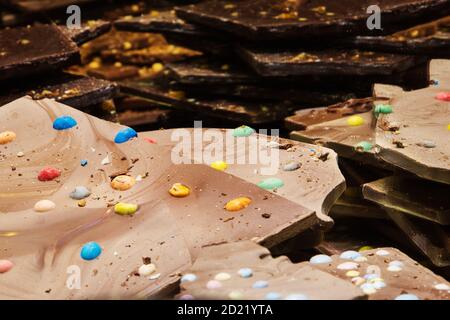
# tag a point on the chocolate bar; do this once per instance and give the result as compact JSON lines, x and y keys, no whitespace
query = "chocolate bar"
{"x":432,"y":39}
{"x":34,"y":50}
{"x":417,"y":197}
{"x":267,"y":62}
{"x":413,"y":135}
{"x":82,"y":150}
{"x":88,"y":31}
{"x":246,"y":271}
{"x":265,"y":20}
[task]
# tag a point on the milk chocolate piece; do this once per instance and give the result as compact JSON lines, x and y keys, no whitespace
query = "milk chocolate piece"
{"x":421,"y":198}
{"x":75,"y":91}
{"x":399,"y":274}
{"x":269,"y":277}
{"x":88,"y":31}
{"x":432,"y":239}
{"x":432,"y":38}
{"x":352,"y":204}
{"x":34,"y":50}
{"x":414,"y":136}
{"x":183,"y":225}
{"x":231,"y":109}
{"x":268,"y":62}
{"x":316,"y":184}
{"x":265,"y":20}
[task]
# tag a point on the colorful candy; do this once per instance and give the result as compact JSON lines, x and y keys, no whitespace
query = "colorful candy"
{"x":382,"y":108}
{"x":188,"y":277}
{"x":245,"y":272}
{"x":348,"y":266}
{"x":90,"y":251}
{"x":363,"y":146}
{"x":64,"y":123}
{"x":125,"y":209}
{"x":222,"y":276}
{"x":350,"y":255}
{"x":272,"y":296}
{"x":125,"y":135}
{"x":260,"y":284}
{"x":213,"y":284}
{"x":292,"y":166}
{"x":271,"y":183}
{"x":320,"y":259}
{"x":48,"y":174}
{"x":236,"y":295}
{"x":123,"y":183}
{"x":443,"y":96}
{"x":44,"y":206}
{"x":355,"y":121}
{"x":243,"y":131}
{"x":146,"y":269}
{"x":80,"y":192}
{"x":219,"y":165}
{"x":407,"y":296}
{"x":238,"y":204}
{"x":7,"y":137}
{"x":5,"y":266}
{"x":179,"y":190}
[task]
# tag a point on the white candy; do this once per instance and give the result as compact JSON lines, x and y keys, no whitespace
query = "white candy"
{"x":44,"y":205}
{"x":146,"y":269}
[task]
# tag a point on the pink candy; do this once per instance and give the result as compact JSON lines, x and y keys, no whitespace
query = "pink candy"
{"x":443,"y":96}
{"x":5,"y":266}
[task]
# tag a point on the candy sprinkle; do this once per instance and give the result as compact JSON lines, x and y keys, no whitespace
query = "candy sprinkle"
{"x":243,"y":131}
{"x":365,"y":248}
{"x":48,"y":174}
{"x":80,"y":192}
{"x":383,"y":109}
{"x":355,"y":121}
{"x":123,"y":183}
{"x":443,"y":96}
{"x":179,"y":190}
{"x":350,"y":255}
{"x":90,"y":251}
{"x":188,"y":277}
{"x":238,"y":204}
{"x":260,"y":284}
{"x":363,"y":146}
{"x":7,"y":137}
{"x":5,"y":266}
{"x":125,"y":209}
{"x":245,"y":272}
{"x":235,"y":295}
{"x":219,"y":165}
{"x":44,"y":206}
{"x":271,"y":183}
{"x":213,"y":284}
{"x":222,"y":276}
{"x":125,"y":135}
{"x":64,"y":123}
{"x":320,"y":259}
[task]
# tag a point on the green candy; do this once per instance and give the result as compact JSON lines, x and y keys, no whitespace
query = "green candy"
{"x":363,"y":146}
{"x":383,"y":108}
{"x":243,"y":131}
{"x":271,"y":183}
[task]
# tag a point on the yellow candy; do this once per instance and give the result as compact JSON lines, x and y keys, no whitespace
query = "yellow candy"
{"x":219,"y":165}
{"x":125,"y":209}
{"x":238,"y":204}
{"x":122,"y":183}
{"x":355,"y":121}
{"x":179,"y":190}
{"x":448,"y":127}
{"x":7,"y":137}
{"x":365,"y":248}
{"x":352,"y":273}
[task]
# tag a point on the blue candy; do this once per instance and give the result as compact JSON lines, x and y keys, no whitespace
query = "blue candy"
{"x":273,"y":296}
{"x":407,"y":296}
{"x":260,"y":284}
{"x":64,"y":123}
{"x":189,"y":277}
{"x":350,"y":255}
{"x":80,"y":192}
{"x":124,"y":135}
{"x":320,"y":258}
{"x":245,"y":272}
{"x":90,"y":251}
{"x":83,"y":163}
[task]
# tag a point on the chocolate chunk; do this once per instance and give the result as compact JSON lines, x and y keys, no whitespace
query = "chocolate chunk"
{"x":88,"y":31}
{"x":255,"y":275}
{"x":34,"y":50}
{"x":419,"y":117}
{"x":264,"y":20}
{"x":421,"y":198}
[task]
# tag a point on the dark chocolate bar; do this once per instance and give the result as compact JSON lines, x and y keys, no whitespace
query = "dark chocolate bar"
{"x":34,"y":50}
{"x":88,"y":31}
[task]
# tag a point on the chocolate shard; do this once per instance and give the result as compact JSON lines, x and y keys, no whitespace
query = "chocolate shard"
{"x":87,"y":32}
{"x":267,"y":62}
{"x":431,"y":239}
{"x":387,"y":274}
{"x":313,"y":183}
{"x":182,"y":225}
{"x":265,"y":20}
{"x":75,"y":91}
{"x":414,"y":136}
{"x":421,"y":198}
{"x":263,"y":278}
{"x":34,"y":50}
{"x":251,"y":112}
{"x":432,"y":38}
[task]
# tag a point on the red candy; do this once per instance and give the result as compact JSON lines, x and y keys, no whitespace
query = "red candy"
{"x":443,"y":96}
{"x":48,"y":174}
{"x":150,"y":140}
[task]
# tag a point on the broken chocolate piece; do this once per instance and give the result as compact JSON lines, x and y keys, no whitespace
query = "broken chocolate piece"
{"x":88,"y":31}
{"x":34,"y":50}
